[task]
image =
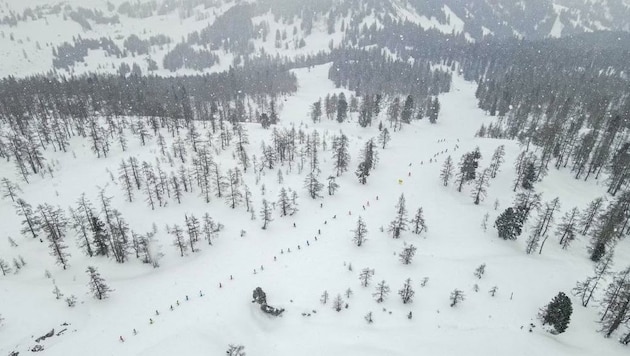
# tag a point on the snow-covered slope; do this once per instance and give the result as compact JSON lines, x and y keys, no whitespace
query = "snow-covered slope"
{"x":299,"y":257}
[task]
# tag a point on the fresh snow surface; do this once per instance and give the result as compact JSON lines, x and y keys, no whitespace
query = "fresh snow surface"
{"x":448,"y":255}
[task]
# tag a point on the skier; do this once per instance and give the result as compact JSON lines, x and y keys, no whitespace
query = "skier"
{"x":319,"y":231}
{"x":410,"y":315}
{"x":200,"y":293}
{"x":293,"y":224}
{"x":178,"y":302}
{"x":307,"y":243}
{"x":274,"y":258}
{"x":157,"y":312}
{"x":377,"y":197}
{"x":367,"y":203}
{"x":363,"y":207}
{"x":231,"y":277}
{"x":150,"y":321}
{"x":121,"y":339}
{"x":321,"y":205}
{"x":335,"y":216}
{"x":315,"y":238}
{"x":186,"y":298}
{"x":409,"y":174}
{"x":135,"y":332}
{"x":298,"y":247}
{"x":171,"y":307}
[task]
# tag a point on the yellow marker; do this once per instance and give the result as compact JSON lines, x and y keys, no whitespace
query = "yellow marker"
{"x":400,"y":181}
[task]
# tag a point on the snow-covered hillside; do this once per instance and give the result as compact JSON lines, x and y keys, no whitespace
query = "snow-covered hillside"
{"x":299,"y":257}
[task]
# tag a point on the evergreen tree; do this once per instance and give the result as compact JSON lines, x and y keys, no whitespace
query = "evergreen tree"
{"x":406,"y":292}
{"x":31,"y":224}
{"x":566,"y":230}
{"x":384,"y":137}
{"x":407,"y":111}
{"x":9,"y":189}
{"x":100,"y":237}
{"x":54,"y":226}
{"x":284,"y":203}
{"x":447,"y":171}
{"x":480,"y":271}
{"x":81,"y":226}
{"x":178,"y":238}
{"x":457,"y":296}
{"x":509,"y":224}
{"x":382,"y":290}
{"x":616,"y":303}
{"x":400,"y":223}
{"x":557,"y":313}
{"x":366,"y":276}
{"x":590,"y":214}
{"x":235,"y":350}
{"x":481,"y":186}
{"x":468,"y":168}
{"x":97,"y":285}
{"x":342,"y":108}
{"x":338,"y":303}
{"x":434,"y":110}
{"x":332,"y":185}
{"x":360,"y":232}
{"x":586,"y":290}
{"x":341,"y":157}
{"x":193,"y":231}
{"x":265,"y":214}
{"x":4,"y":267}
{"x":529,"y":176}
{"x":407,"y":254}
{"x":316,"y":111}
{"x":418,"y":222}
{"x":496,"y":161}
{"x":313,"y":185}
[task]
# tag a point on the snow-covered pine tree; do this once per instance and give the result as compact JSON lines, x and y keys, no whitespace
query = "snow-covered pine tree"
{"x":193,"y":231}
{"x":265,"y":214}
{"x":382,"y":290}
{"x":360,"y":232}
{"x":9,"y":189}
{"x":366,"y":276}
{"x":457,"y":296}
{"x":616,"y":303}
{"x":384,"y":137}
{"x":341,"y":156}
{"x":496,"y":161}
{"x":284,"y":203}
{"x":418,"y":223}
{"x":566,"y":230}
{"x":332,"y":185}
{"x":590,"y":214}
{"x":100,"y":237}
{"x":557,"y":313}
{"x":81,"y":226}
{"x":4,"y":267}
{"x":508,"y":224}
{"x":178,"y":238}
{"x":400,"y":223}
{"x":97,"y":285}
{"x":54,"y":226}
{"x":586,"y":289}
{"x":407,"y":254}
{"x":479,"y":272}
{"x":338,"y":303}
{"x":406,"y":292}
{"x":235,"y":350}
{"x":234,"y":195}
{"x":31,"y":224}
{"x":544,"y":220}
{"x":312,"y":184}
{"x":447,"y":171}
{"x":481,"y":186}
{"x":124,"y":176}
